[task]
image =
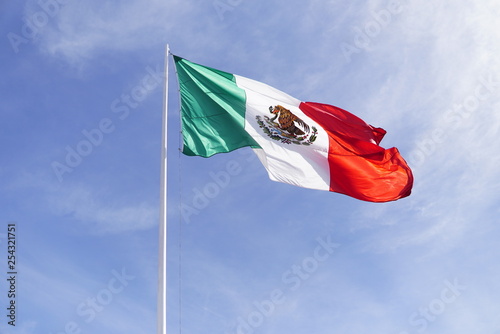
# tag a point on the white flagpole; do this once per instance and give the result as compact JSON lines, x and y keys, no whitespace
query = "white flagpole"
{"x":162,"y":245}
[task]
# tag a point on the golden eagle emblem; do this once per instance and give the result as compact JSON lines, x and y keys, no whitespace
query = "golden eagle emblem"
{"x":289,"y":129}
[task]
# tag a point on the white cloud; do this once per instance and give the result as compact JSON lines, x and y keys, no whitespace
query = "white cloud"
{"x":97,"y":212}
{"x":440,"y":61}
{"x":82,"y":30}
{"x":99,"y":215}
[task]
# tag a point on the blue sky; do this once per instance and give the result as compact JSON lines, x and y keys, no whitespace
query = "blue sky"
{"x":255,"y":256}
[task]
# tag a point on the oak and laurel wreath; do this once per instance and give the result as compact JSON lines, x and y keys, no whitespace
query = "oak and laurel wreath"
{"x":290,"y":138}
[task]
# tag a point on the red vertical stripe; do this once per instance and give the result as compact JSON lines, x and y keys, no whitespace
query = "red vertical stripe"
{"x":359,"y":167}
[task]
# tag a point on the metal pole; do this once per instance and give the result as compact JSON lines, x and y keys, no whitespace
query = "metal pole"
{"x":162,"y":245}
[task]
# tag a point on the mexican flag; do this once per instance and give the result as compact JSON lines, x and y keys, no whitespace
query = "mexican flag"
{"x":306,"y":144}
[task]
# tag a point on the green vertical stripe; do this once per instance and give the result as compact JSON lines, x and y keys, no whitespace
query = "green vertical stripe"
{"x":212,"y":110}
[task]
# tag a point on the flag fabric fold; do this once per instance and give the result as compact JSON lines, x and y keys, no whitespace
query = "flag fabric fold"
{"x":306,"y":144}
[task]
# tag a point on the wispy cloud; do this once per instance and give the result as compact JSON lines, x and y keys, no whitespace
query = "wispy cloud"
{"x":99,"y":215}
{"x":81,"y":31}
{"x":439,"y":63}
{"x":94,"y":211}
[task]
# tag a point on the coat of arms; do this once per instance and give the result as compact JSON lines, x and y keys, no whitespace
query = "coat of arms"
{"x":289,"y":129}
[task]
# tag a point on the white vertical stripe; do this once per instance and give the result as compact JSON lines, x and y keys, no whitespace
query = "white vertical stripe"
{"x":300,"y":165}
